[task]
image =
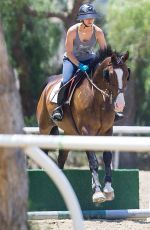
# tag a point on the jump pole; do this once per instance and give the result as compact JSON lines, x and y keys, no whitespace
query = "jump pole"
{"x":134,"y":144}
{"x":97,"y":143}
{"x":93,"y":214}
{"x":116,"y":130}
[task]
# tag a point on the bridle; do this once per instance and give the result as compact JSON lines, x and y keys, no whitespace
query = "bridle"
{"x":104,"y":94}
{"x":120,"y":63}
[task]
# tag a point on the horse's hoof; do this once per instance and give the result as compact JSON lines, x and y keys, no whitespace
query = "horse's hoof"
{"x":109,"y":196}
{"x":109,"y":192}
{"x":98,"y":197}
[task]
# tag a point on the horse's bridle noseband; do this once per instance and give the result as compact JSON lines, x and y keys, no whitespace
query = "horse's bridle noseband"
{"x":120,"y":91}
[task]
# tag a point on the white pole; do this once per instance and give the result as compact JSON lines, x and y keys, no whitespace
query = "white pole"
{"x":131,"y":129}
{"x":31,"y":130}
{"x":116,"y":130}
{"x":116,"y":160}
{"x":132,"y":144}
{"x":116,"y":157}
{"x":61,"y":182}
{"x":93,"y":214}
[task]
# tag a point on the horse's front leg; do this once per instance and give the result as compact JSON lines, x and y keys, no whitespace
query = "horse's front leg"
{"x":108,"y":190}
{"x":98,"y":196}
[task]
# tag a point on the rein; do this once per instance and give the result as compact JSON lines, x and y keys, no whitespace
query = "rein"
{"x":104,"y":94}
{"x":63,"y":86}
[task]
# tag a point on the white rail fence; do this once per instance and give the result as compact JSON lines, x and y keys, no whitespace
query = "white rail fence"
{"x":119,"y":130}
{"x":115,"y":143}
{"x":62,"y":183}
{"x":127,"y":130}
{"x":30,"y":144}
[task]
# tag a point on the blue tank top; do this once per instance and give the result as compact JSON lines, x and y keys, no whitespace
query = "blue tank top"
{"x":84,"y":50}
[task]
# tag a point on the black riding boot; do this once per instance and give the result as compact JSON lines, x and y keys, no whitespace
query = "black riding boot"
{"x":118,"y":116}
{"x":58,"y":112}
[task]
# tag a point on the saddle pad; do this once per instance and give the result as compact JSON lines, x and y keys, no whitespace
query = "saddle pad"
{"x":54,"y":93}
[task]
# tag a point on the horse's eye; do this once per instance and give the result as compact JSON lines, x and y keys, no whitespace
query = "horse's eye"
{"x":106,"y":74}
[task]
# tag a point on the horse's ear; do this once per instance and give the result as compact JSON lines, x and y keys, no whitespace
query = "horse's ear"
{"x":125,"y":56}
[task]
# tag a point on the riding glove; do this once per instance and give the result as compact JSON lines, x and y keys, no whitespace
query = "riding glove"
{"x":83,"y":67}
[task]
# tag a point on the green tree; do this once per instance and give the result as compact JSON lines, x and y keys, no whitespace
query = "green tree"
{"x":31,"y":44}
{"x":14,"y":188}
{"x":35,"y":34}
{"x":128,"y":28}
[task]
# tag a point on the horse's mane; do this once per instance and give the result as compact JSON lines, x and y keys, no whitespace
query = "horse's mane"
{"x":101,"y":55}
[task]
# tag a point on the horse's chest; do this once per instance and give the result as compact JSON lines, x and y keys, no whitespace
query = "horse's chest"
{"x":107,"y":121}
{"x":91,"y":113}
{"x":84,"y":100}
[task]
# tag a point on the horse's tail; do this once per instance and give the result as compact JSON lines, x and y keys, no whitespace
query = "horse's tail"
{"x":48,"y":79}
{"x":42,"y":115}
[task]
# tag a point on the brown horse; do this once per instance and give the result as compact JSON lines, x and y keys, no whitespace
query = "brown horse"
{"x":91,"y":112}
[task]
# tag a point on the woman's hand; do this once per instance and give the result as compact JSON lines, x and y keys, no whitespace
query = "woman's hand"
{"x":83,"y":67}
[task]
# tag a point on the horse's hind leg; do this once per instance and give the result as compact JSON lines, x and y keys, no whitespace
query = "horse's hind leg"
{"x":98,"y":196}
{"x":108,"y":190}
{"x":62,"y":157}
{"x":63,"y":154}
{"x":54,"y":131}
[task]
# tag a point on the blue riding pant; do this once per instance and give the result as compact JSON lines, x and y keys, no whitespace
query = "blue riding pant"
{"x":69,"y":69}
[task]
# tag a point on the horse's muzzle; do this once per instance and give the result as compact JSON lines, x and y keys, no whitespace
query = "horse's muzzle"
{"x":119,"y":103}
{"x":118,"y":110}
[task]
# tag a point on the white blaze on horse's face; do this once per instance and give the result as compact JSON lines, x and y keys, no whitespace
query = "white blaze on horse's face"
{"x":119,"y":102}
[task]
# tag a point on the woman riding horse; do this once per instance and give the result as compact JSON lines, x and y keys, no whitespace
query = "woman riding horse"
{"x":91,"y":112}
{"x":94,"y":102}
{"x":80,"y":41}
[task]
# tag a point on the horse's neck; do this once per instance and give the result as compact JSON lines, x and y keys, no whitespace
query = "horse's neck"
{"x":98,"y":76}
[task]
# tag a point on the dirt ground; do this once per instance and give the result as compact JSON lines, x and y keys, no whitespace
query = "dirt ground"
{"x":105,"y":224}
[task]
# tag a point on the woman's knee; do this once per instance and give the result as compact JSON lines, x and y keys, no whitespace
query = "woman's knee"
{"x":68,"y":69}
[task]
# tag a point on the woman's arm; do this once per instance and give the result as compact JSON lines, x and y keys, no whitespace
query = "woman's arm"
{"x":101,"y":39}
{"x":69,"y":45}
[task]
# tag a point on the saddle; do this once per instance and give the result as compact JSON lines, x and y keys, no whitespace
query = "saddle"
{"x":74,"y":83}
{"x":69,"y":87}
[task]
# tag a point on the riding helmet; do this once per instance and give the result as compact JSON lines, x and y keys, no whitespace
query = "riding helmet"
{"x":87,"y":11}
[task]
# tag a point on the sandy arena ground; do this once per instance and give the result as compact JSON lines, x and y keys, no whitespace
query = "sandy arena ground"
{"x":103,"y":224}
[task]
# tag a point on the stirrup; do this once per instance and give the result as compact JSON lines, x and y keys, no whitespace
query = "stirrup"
{"x":57,"y":114}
